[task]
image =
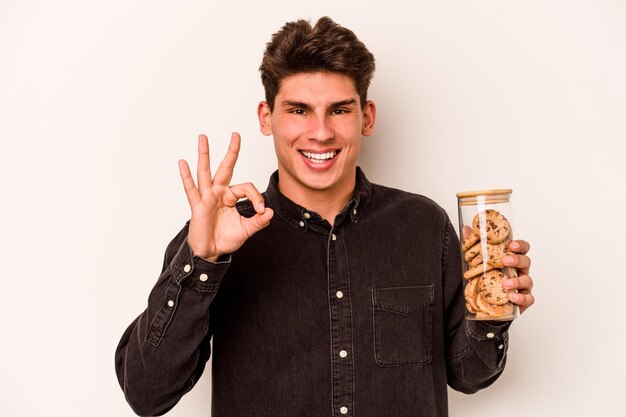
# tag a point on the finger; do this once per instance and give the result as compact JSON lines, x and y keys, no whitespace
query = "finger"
{"x":249,"y":191}
{"x":522,"y":283}
{"x":467,"y":231}
{"x":521,"y":262}
{"x":520,"y":246}
{"x":204,"y":163}
{"x":523,"y":300}
{"x":257,"y":222}
{"x":193,"y":195}
{"x":225,"y":171}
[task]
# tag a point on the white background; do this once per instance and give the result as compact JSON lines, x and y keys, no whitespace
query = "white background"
{"x":98,"y":101}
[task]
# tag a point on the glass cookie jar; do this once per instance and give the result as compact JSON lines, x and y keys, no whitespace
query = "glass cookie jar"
{"x":485,"y":232}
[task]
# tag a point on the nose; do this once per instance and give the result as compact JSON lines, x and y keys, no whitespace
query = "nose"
{"x":321,"y":128}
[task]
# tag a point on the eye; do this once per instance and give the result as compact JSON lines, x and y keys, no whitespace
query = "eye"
{"x":297,"y":111}
{"x":340,"y":111}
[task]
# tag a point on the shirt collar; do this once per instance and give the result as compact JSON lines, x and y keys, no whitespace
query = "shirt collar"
{"x":302,"y":218}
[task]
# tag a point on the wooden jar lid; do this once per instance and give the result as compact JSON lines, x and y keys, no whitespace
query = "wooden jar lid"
{"x":467,"y":198}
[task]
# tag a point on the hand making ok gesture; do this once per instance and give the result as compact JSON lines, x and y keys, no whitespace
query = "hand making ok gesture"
{"x":216,"y":227}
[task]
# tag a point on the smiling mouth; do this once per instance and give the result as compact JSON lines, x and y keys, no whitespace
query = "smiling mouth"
{"x":319,"y":157}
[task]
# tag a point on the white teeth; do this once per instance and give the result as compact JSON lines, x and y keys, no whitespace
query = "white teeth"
{"x":319,"y":157}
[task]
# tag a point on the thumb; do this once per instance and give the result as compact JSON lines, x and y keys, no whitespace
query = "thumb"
{"x":258,"y":221}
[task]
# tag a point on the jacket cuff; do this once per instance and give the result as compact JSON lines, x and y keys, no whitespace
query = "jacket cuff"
{"x":487,"y":330}
{"x":186,"y":272}
{"x":493,"y":339}
{"x":196,"y":272}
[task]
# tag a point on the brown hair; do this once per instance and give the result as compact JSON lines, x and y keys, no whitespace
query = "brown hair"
{"x":326,"y":47}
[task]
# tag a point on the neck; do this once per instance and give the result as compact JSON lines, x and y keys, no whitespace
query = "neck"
{"x":326,"y":202}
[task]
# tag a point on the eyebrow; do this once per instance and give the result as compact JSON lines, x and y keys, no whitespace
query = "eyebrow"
{"x":342,"y":103}
{"x":293,"y":103}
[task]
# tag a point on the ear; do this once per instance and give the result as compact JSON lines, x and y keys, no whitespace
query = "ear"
{"x":265,"y":118}
{"x":369,"y":118}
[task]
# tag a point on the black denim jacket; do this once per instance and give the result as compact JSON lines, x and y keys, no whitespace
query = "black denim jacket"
{"x":363,"y":318}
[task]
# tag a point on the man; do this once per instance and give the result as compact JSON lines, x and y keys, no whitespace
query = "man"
{"x":326,"y":295}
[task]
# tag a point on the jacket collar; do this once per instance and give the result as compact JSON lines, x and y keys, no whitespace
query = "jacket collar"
{"x":303,"y":218}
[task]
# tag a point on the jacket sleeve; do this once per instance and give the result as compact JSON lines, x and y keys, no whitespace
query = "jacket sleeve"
{"x":163,"y":352}
{"x":475,"y":350}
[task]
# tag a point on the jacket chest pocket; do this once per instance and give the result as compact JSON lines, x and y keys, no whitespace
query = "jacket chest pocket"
{"x":403,"y":325}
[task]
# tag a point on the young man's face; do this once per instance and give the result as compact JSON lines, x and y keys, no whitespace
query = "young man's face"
{"x":317,"y":125}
